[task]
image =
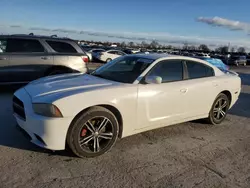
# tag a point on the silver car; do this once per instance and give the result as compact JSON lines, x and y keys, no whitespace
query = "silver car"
{"x":24,"y":58}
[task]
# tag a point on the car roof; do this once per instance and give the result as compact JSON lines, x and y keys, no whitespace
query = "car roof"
{"x":24,"y":36}
{"x":153,"y":56}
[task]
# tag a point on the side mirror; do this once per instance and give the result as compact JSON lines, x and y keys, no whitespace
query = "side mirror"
{"x":153,"y":80}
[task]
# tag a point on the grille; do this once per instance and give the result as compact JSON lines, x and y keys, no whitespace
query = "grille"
{"x":18,"y":107}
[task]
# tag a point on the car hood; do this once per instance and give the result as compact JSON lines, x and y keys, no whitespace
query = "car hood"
{"x":54,"y":85}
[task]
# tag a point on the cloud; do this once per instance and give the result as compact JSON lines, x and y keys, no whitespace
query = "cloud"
{"x":15,"y":26}
{"x":222,"y":22}
{"x":39,"y":29}
{"x":65,"y":31}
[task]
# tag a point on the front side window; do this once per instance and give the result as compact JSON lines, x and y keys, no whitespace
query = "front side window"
{"x":24,"y":46}
{"x":168,"y":70}
{"x":3,"y":45}
{"x":125,"y":69}
{"x":61,"y":47}
{"x":198,"y":70}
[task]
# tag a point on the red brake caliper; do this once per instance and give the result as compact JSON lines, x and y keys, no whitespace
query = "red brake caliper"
{"x":84,"y":131}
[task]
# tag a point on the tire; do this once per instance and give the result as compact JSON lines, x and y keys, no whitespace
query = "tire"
{"x":219,"y":108}
{"x":108,"y":60}
{"x":86,"y":134}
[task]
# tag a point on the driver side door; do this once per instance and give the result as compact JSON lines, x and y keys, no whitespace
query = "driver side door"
{"x":165,"y":103}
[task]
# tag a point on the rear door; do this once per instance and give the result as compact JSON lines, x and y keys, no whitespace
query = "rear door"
{"x":202,"y":88}
{"x":28,"y":59}
{"x":4,"y":61}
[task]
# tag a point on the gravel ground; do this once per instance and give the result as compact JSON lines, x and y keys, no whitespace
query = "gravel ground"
{"x":191,"y":154}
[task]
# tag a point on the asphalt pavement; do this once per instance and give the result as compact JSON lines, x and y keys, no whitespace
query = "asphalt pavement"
{"x":191,"y":154}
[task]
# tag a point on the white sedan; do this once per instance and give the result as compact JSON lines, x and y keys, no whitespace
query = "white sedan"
{"x":129,"y":95}
{"x":109,"y":55}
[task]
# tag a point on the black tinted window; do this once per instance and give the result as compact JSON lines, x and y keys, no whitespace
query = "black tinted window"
{"x":112,"y":52}
{"x":125,"y":69}
{"x":198,"y":70}
{"x":24,"y":45}
{"x":170,"y":70}
{"x":62,"y":47}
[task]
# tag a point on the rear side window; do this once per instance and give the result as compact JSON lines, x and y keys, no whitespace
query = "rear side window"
{"x":61,"y":47}
{"x":24,"y":45}
{"x":169,"y":70}
{"x":198,"y":70}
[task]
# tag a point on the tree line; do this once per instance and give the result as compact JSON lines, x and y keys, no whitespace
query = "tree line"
{"x":156,"y":45}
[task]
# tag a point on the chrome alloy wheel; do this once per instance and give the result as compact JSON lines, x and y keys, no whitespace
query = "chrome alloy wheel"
{"x":220,"y":109}
{"x":96,"y":134}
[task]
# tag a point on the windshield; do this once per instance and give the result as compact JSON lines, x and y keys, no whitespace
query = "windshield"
{"x":125,"y":69}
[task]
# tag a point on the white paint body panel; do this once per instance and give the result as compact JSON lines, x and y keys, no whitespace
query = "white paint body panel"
{"x":106,"y":55}
{"x":143,"y":107}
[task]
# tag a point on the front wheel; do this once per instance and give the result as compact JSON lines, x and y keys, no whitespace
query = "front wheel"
{"x":93,"y":133}
{"x":219,"y":109}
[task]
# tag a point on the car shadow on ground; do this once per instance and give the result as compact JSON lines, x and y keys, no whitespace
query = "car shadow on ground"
{"x":242,"y":106}
{"x":245,"y":78}
{"x":10,"y":135}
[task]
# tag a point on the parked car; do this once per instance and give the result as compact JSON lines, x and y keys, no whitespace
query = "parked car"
{"x":203,"y":55}
{"x":94,"y":52}
{"x":129,"y":95}
{"x":109,"y":55}
{"x":27,"y":58}
{"x":237,"y":60}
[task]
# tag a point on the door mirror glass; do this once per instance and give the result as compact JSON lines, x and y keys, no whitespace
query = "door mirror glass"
{"x":153,"y":79}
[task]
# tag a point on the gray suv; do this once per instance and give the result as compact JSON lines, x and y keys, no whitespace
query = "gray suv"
{"x":24,"y":58}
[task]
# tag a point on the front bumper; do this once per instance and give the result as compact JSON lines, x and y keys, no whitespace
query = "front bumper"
{"x":49,"y":133}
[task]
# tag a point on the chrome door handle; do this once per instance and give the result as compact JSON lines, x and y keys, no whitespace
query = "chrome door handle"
{"x":184,"y":90}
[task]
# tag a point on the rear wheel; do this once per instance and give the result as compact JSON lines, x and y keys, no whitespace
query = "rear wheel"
{"x":219,"y":109}
{"x":93,"y":133}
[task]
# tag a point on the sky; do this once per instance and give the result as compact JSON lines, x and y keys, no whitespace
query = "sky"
{"x":214,"y":22}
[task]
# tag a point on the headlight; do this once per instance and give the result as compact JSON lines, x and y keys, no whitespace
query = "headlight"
{"x":48,"y":110}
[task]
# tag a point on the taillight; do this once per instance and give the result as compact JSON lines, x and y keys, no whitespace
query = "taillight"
{"x":85,"y":59}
